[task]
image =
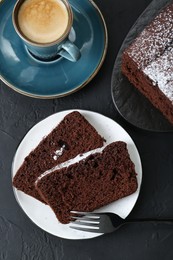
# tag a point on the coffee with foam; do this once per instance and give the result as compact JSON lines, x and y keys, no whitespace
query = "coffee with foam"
{"x":43,"y":21}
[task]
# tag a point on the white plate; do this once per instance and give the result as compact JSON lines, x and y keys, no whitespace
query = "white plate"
{"x":40,"y":213}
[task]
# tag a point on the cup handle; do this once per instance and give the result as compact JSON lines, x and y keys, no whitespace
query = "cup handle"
{"x":70,"y":51}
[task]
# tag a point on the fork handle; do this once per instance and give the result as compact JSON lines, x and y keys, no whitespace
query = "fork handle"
{"x":154,"y":220}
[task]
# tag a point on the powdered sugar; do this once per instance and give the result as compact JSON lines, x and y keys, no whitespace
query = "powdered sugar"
{"x":160,"y":72}
{"x":154,"y":39}
{"x":152,"y":51}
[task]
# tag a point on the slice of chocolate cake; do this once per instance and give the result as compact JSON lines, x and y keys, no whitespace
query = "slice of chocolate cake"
{"x":73,"y":135}
{"x":148,"y":63}
{"x":102,"y":177}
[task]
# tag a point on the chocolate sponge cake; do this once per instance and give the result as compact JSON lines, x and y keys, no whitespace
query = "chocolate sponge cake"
{"x":104,"y":176}
{"x":148,"y":62}
{"x":73,"y":135}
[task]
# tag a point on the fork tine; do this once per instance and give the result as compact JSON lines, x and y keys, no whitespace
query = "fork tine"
{"x":89,"y":224}
{"x":86,"y":229}
{"x":96,"y":220}
{"x":86,"y":221}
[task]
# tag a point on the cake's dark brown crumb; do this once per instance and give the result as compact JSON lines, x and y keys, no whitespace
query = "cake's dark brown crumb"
{"x":90,"y":184}
{"x":148,"y":62}
{"x":74,"y":135}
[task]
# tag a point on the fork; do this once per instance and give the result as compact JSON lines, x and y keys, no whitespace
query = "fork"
{"x":104,"y":222}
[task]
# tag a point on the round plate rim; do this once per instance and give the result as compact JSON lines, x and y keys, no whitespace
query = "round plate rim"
{"x":80,"y":111}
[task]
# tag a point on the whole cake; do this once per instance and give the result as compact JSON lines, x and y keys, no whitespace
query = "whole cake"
{"x":148,"y":62}
{"x":72,"y":136}
{"x":104,"y":176}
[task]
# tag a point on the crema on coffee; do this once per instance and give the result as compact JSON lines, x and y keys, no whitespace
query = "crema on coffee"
{"x":43,"y":21}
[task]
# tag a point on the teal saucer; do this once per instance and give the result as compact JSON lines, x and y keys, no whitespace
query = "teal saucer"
{"x":28,"y":76}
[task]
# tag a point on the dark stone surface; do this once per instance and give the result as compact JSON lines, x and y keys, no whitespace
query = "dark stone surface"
{"x":19,"y":237}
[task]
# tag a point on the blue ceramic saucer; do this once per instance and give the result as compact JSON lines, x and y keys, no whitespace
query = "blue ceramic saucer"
{"x":28,"y":76}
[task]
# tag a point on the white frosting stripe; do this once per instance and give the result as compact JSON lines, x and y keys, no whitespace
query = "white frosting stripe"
{"x":77,"y":159}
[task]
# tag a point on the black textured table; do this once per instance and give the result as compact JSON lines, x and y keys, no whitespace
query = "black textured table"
{"x":19,"y":237}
